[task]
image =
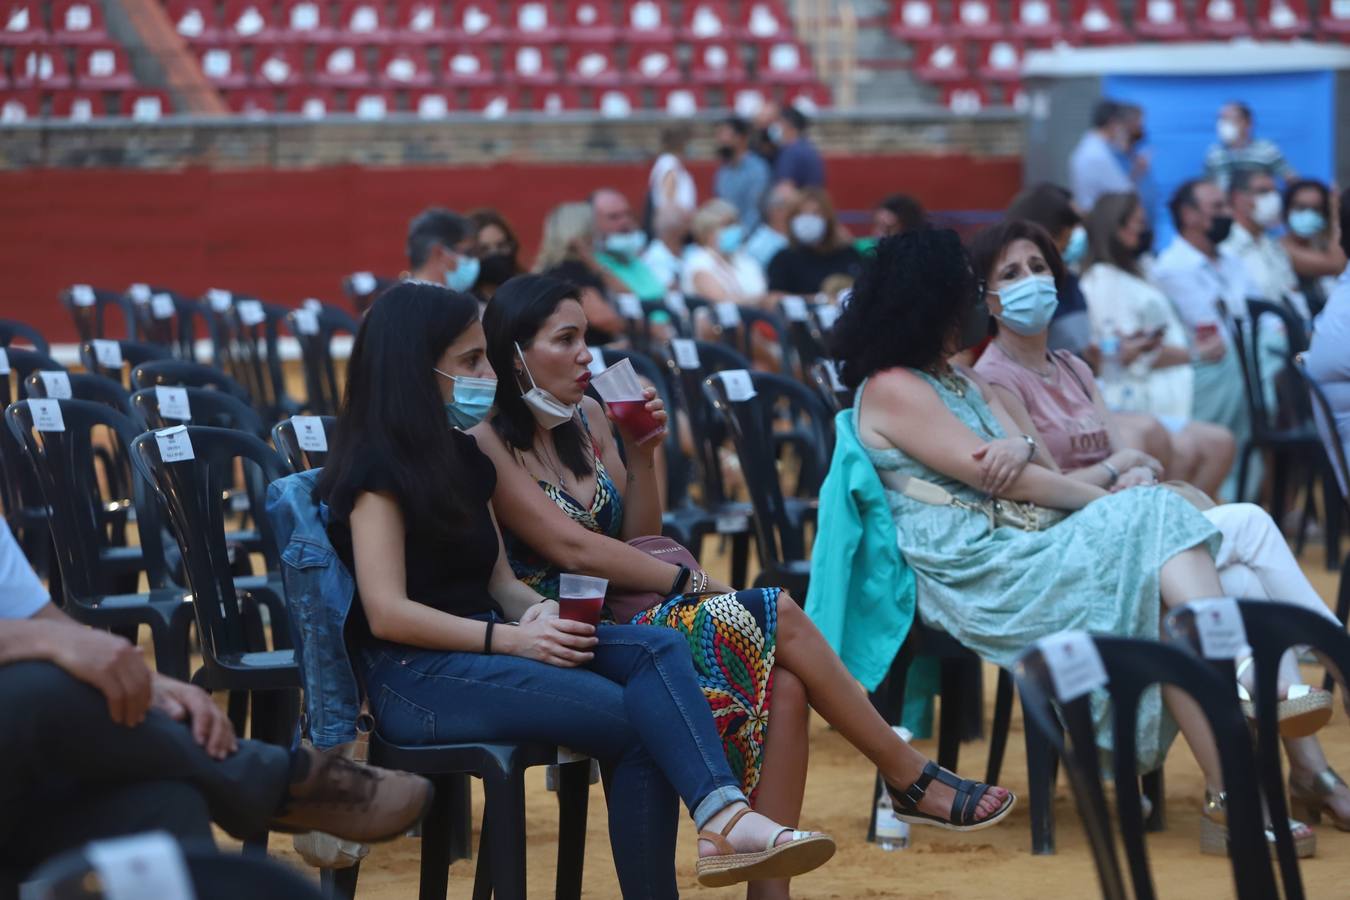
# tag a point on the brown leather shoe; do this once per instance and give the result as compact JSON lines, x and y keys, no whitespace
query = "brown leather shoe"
{"x":353,"y":801}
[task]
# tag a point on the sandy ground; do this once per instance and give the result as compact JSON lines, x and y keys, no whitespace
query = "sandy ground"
{"x":994,"y":863}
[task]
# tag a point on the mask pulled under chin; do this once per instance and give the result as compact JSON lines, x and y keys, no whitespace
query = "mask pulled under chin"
{"x":548,"y":410}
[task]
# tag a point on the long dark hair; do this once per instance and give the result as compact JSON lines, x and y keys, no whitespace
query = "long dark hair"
{"x":393,"y":411}
{"x":908,"y":302}
{"x":1109,"y":214}
{"x":517,"y":311}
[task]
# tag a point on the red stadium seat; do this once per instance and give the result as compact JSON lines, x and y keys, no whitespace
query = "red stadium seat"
{"x":592,"y":64}
{"x":19,"y":106}
{"x":78,"y":22}
{"x":342,"y":65}
{"x":195,"y":20}
{"x":786,"y":62}
{"x":647,"y":21}
{"x":404,"y":67}
{"x":364,"y":21}
{"x":530,"y":64}
{"x":43,"y":67}
{"x":681,"y":101}
{"x":494,"y":102}
{"x":468,"y":66}
{"x":558,"y":99}
{"x":249,"y":21}
{"x":21,"y":23}
{"x":146,"y":105}
{"x":976,"y":20}
{"x":1097,"y":22}
{"x":807,"y":97}
{"x":706,"y":20}
{"x":1001,"y":61}
{"x":1161,"y":20}
{"x":917,"y":20}
{"x":942,"y":61}
{"x":1282,"y":18}
{"x":746,"y":100}
{"x":532,"y":21}
{"x":421,"y":21}
{"x":279,"y":66}
{"x":77,"y":106}
{"x":309,"y":21}
{"x":371,"y":103}
{"x":1222,"y":19}
{"x":589,"y":21}
{"x":1334,"y":17}
{"x":478,"y":20}
{"x":432,"y":104}
{"x":103,"y":66}
{"x":654,"y":65}
{"x":717,"y":64}
{"x":252,"y":103}
{"x":311,"y":102}
{"x":617,"y":102}
{"x":965,"y":99}
{"x":223,"y":66}
{"x":1036,"y":20}
{"x":765,"y":20}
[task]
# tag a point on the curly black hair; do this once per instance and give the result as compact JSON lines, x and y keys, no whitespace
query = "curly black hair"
{"x":906,"y":306}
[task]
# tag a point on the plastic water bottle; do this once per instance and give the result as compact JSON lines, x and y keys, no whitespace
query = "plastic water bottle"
{"x":1112,"y":374}
{"x":892,"y":834}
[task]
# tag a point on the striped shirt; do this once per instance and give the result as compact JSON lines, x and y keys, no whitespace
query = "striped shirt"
{"x":1258,"y":156}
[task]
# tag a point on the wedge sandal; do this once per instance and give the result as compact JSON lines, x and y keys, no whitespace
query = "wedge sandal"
{"x":1303,"y":711}
{"x":806,"y":851}
{"x":965,"y":803}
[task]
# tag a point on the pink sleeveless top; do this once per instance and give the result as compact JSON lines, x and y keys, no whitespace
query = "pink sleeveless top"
{"x":1061,"y":407}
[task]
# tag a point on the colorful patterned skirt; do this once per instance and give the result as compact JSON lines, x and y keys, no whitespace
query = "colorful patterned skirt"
{"x":732,"y":639}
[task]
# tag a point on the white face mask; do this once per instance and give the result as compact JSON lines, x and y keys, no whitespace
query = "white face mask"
{"x":1228,"y":130}
{"x":1268,"y":209}
{"x":808,"y":228}
{"x":548,"y":410}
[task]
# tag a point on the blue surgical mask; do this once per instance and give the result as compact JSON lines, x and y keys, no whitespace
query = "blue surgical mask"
{"x":626,"y":244}
{"x":1306,"y":222}
{"x":473,"y":399}
{"x":1077,"y":247}
{"x":465,"y":275}
{"x":775,"y":132}
{"x":1028,"y":304}
{"x":729,"y":239}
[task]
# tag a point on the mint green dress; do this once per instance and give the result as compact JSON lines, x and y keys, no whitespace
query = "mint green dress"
{"x":998,"y":591}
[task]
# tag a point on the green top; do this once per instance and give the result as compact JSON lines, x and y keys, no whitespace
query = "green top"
{"x":634,"y":273}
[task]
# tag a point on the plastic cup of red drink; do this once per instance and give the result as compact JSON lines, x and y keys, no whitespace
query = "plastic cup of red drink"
{"x":1206,"y":330}
{"x":580,"y":598}
{"x":619,"y":387}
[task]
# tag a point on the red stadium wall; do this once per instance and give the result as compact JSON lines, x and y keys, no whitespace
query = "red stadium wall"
{"x":287,"y":235}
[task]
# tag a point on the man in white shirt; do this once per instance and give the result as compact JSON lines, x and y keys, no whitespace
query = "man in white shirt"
{"x":1207,"y":287}
{"x":665,"y":254}
{"x":1097,"y":165}
{"x":1257,"y":207}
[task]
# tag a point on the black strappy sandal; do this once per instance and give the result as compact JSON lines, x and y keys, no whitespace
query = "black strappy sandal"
{"x":964,"y":805}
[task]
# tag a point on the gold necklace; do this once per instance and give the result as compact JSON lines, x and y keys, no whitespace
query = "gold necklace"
{"x":947,"y":377}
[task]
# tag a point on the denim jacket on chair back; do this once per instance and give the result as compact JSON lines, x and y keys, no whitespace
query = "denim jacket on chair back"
{"x":319,"y":592}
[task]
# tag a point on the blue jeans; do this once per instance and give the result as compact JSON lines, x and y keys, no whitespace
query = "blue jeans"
{"x":636,"y":707}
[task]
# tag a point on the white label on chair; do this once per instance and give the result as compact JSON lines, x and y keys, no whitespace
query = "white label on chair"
{"x":363,"y":282}
{"x":174,"y":444}
{"x":250,"y":312}
{"x":1218,"y":623}
{"x":827,"y":316}
{"x":139,"y":293}
{"x":630,"y":307}
{"x":1074,"y":663}
{"x":146,"y":865}
{"x":676,"y":304}
{"x":732,"y":524}
{"x":81,"y":295}
{"x":309,"y":433}
{"x":795,"y":309}
{"x":4,"y":361}
{"x":738,"y":384}
{"x":173,"y":403}
{"x":161,"y":307}
{"x":686,"y":353}
{"x":597,"y":363}
{"x":57,"y":384}
{"x":108,"y":354}
{"x":220,"y":300}
{"x":728,"y":314}
{"x":567,"y":755}
{"x":314,"y":306}
{"x":47,"y":415}
{"x":306,"y":321}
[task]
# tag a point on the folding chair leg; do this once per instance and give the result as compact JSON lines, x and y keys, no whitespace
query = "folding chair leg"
{"x":436,"y":837}
{"x":461,"y":814}
{"x":482,"y":876}
{"x":574,"y":785}
{"x":505,"y":804}
{"x":740,"y":557}
{"x":1041,"y":767}
{"x":998,"y":738}
{"x":1153,"y":785}
{"x":949,"y":717}
{"x":339,"y":884}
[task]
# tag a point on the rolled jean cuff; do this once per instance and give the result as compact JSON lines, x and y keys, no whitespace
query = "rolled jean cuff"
{"x":715,"y":802}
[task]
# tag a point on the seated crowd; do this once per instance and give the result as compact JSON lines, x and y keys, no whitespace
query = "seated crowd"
{"x":1047,"y":379}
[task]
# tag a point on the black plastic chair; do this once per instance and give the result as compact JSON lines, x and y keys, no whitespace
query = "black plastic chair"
{"x":234,"y":653}
{"x":362,"y":288}
{"x":173,"y":328}
{"x":1272,"y":629}
{"x":255,"y":358}
{"x":1132,"y":666}
{"x":314,"y":330}
{"x":208,"y":407}
{"x":133,"y":353}
{"x":12,"y":331}
{"x":1335,"y":480}
{"x":287,"y":443}
{"x":25,"y":511}
{"x":94,"y":572}
{"x":89,"y":306}
{"x":181,"y":373}
{"x":740,"y":337}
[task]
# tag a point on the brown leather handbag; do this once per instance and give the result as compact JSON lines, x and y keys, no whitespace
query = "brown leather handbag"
{"x":623,"y":605}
